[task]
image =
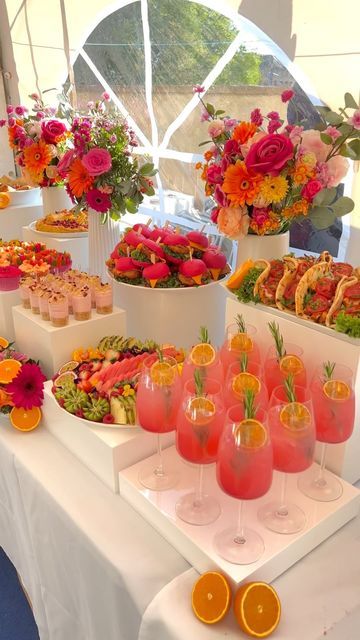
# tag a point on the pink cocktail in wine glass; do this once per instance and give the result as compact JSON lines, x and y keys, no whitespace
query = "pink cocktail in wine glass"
{"x":242,"y":376}
{"x":240,"y":339}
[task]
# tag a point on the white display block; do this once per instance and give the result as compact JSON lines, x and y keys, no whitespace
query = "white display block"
{"x":13,"y":219}
{"x":8,"y":299}
{"x":77,"y":247}
{"x":319,"y":344}
{"x":173,"y":315}
{"x":104,"y":450}
{"x":195,"y":543}
{"x":53,"y":346}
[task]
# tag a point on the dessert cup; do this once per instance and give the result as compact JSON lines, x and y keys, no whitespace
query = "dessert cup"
{"x":24,"y":287}
{"x":81,"y":303}
{"x":104,"y":298}
{"x":44,"y":296}
{"x":59,"y":310}
{"x":34,"y":291}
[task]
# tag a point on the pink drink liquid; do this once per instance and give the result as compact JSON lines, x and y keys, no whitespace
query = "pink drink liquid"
{"x":293,"y":449}
{"x":214,"y":371}
{"x":228,"y":355}
{"x":231,"y":397}
{"x":242,"y":473}
{"x":157,"y":404}
{"x":274,"y":377}
{"x":334,"y":419}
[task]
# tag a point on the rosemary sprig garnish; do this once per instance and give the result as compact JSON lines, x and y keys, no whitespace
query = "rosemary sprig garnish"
{"x":278,"y":339}
{"x":290,"y":388}
{"x":244,"y":362}
{"x":204,"y":336}
{"x":239,"y":319}
{"x":328,"y":370}
{"x":249,"y":406}
{"x":199,"y":383}
{"x":159,"y":353}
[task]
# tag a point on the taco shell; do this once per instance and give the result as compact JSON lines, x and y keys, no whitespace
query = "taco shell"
{"x":343,"y":284}
{"x":306,"y":282}
{"x":291,"y":265}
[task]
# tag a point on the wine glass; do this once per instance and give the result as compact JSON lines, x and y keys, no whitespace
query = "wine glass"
{"x":157,"y":402}
{"x":244,"y":471}
{"x":199,"y":425}
{"x":277,"y":368}
{"x":292,"y":432}
{"x":243,"y":375}
{"x":334,"y":411}
{"x":203,"y":357}
{"x":240,"y":338}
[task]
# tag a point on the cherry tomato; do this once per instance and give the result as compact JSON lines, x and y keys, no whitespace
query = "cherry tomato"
{"x":289,"y":293}
{"x":317,"y":304}
{"x":326,"y":287}
{"x":353,"y":291}
{"x":341,"y":269}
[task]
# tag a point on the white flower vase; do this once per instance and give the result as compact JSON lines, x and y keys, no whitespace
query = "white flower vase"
{"x":102,"y":239}
{"x":267,"y":247}
{"x":55,"y":199}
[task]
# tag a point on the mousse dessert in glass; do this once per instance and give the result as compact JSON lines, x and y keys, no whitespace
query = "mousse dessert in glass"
{"x":24,"y":286}
{"x":81,"y":302}
{"x":34,"y":291}
{"x":44,"y":296}
{"x":59,"y":310}
{"x":104,"y":298}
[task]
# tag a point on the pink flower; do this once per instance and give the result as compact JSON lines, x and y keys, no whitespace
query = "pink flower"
{"x":11,"y":122}
{"x":244,"y":148}
{"x":9,"y":109}
{"x":220,"y":197}
{"x":225,"y":162}
{"x":97,"y":161}
{"x":20,"y":110}
{"x":214,"y":215}
{"x":27,"y":388}
{"x":295,"y":134}
{"x":270,"y":154}
{"x":105,"y":188}
{"x":65,"y":162}
{"x":273,"y":115}
{"x":40,"y":115}
{"x":231,"y":147}
{"x":2,"y":123}
{"x":233,"y":222}
{"x":311,"y":141}
{"x":205,"y":116}
{"x":214,"y":174}
{"x":322,"y":173}
{"x":198,"y":88}
{"x":287,"y":95}
{"x":52,"y":130}
{"x":260,"y":216}
{"x":310,"y":190}
{"x":113,"y":138}
{"x":333,"y":132}
{"x":355,"y":119}
{"x":216,"y":128}
{"x":230,"y":123}
{"x":98,"y":201}
{"x":90,"y":104}
{"x":106,"y":96}
{"x":337,"y":169}
{"x":256,"y":117}
{"x":273,"y":126}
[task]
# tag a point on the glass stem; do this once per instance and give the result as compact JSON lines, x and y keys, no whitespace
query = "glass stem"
{"x":199,"y":486}
{"x":159,"y":471}
{"x":320,"y":480}
{"x":240,"y":537}
{"x":282,"y":510}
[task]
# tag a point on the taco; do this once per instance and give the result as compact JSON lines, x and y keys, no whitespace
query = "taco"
{"x":267,"y":283}
{"x":344,"y":313}
{"x":316,"y":292}
{"x":341,"y":269}
{"x":295,"y":268}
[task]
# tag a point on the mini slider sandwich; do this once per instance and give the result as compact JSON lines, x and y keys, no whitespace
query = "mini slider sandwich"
{"x":192,"y":272}
{"x":125,"y":268}
{"x":156,"y":273}
{"x":216,"y":262}
{"x":176,"y":248}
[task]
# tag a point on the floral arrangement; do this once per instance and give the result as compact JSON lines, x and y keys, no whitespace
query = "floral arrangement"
{"x":39,"y":139}
{"x":21,"y":387}
{"x":101,"y":172}
{"x":263,"y":173}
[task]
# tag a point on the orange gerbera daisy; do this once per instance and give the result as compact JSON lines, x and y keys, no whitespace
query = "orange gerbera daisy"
{"x":80,"y":180}
{"x":241,"y":184}
{"x":37,"y":157}
{"x":244,"y":131}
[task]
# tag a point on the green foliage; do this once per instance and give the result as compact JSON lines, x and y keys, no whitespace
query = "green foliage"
{"x":327,"y":208}
{"x":249,"y":404}
{"x":289,"y":385}
{"x":328,"y":369}
{"x":278,"y":339}
{"x":348,"y":324}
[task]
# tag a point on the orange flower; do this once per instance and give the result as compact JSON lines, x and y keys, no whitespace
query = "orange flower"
{"x":241,"y":184}
{"x":300,"y":207}
{"x":79,"y":179}
{"x":244,"y":131}
{"x":302,"y":173}
{"x":37,"y":157}
{"x":208,"y":155}
{"x":5,"y":399}
{"x":198,"y":165}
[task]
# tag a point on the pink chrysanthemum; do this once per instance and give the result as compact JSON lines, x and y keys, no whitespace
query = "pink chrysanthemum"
{"x":98,"y":201}
{"x":27,"y":388}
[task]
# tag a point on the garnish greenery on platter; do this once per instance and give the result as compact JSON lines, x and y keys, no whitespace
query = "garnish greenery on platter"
{"x":245,"y":293}
{"x":350,"y":325}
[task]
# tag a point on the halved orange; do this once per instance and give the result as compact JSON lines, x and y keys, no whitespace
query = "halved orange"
{"x":245,"y":381}
{"x":9,"y":369}
{"x":241,"y":342}
{"x":25,"y":419}
{"x":4,"y":200}
{"x":295,"y":416}
{"x":257,"y":609}
{"x":211,"y":597}
{"x":337,"y":390}
{"x":200,"y":410}
{"x":3,"y":343}
{"x":162,"y":373}
{"x":236,"y":279}
{"x":250,"y":433}
{"x":291,"y":364}
{"x":203,"y":354}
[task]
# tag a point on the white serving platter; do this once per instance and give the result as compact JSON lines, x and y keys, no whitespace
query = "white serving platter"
{"x":93,"y":423}
{"x":53,"y":234}
{"x":195,"y":543}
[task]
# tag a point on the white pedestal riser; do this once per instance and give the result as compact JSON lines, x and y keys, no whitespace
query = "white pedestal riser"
{"x":13,"y":219}
{"x":8,"y":299}
{"x":53,"y":346}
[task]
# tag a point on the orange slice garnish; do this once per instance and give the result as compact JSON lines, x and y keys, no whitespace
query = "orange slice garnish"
{"x":211,"y":597}
{"x":4,"y":200}
{"x":200,"y":410}
{"x":3,"y":343}
{"x":257,"y":609}
{"x":9,"y":369}
{"x":241,"y":342}
{"x":25,"y":419}
{"x":337,"y":390}
{"x":250,"y":433}
{"x":295,"y":416}
{"x":236,"y":279}
{"x":291,"y":364}
{"x":162,"y":374}
{"x":202,"y":355}
{"x":243,"y":382}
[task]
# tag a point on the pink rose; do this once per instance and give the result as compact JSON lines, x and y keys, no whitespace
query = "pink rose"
{"x":310,"y":190}
{"x":337,"y":169}
{"x":65,"y":162}
{"x":311,"y":141}
{"x":273,"y":115}
{"x":216,"y":128}
{"x":213,"y":174}
{"x":270,"y":154}
{"x":274,"y":125}
{"x":2,"y":123}
{"x":52,"y":130}
{"x":205,"y":116}
{"x":333,"y":132}
{"x":287,"y":95}
{"x":295,"y":134}
{"x":97,"y":161}
{"x":11,"y":122}
{"x":231,"y":147}
{"x":106,"y":96}
{"x":233,"y":222}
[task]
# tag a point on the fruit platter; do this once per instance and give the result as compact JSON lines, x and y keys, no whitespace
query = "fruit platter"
{"x":163,"y":258}
{"x":99,"y":384}
{"x":320,"y":290}
{"x":62,"y":222}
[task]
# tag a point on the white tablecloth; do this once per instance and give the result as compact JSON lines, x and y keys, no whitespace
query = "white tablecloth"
{"x":95,"y":570}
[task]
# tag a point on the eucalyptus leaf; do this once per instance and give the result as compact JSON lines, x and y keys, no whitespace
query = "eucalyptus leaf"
{"x":350,"y":102}
{"x":124,"y":186}
{"x":201,"y":144}
{"x":323,"y":110}
{"x":322,"y":217}
{"x":324,"y":197}
{"x":334,"y":118}
{"x":147,"y":169}
{"x":150,"y":191}
{"x":219,"y":112}
{"x":130,"y":205}
{"x":355,"y":147}
{"x":326,"y":138}
{"x":343,"y":206}
{"x":347,"y":152}
{"x":344,"y":129}
{"x":210,"y":109}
